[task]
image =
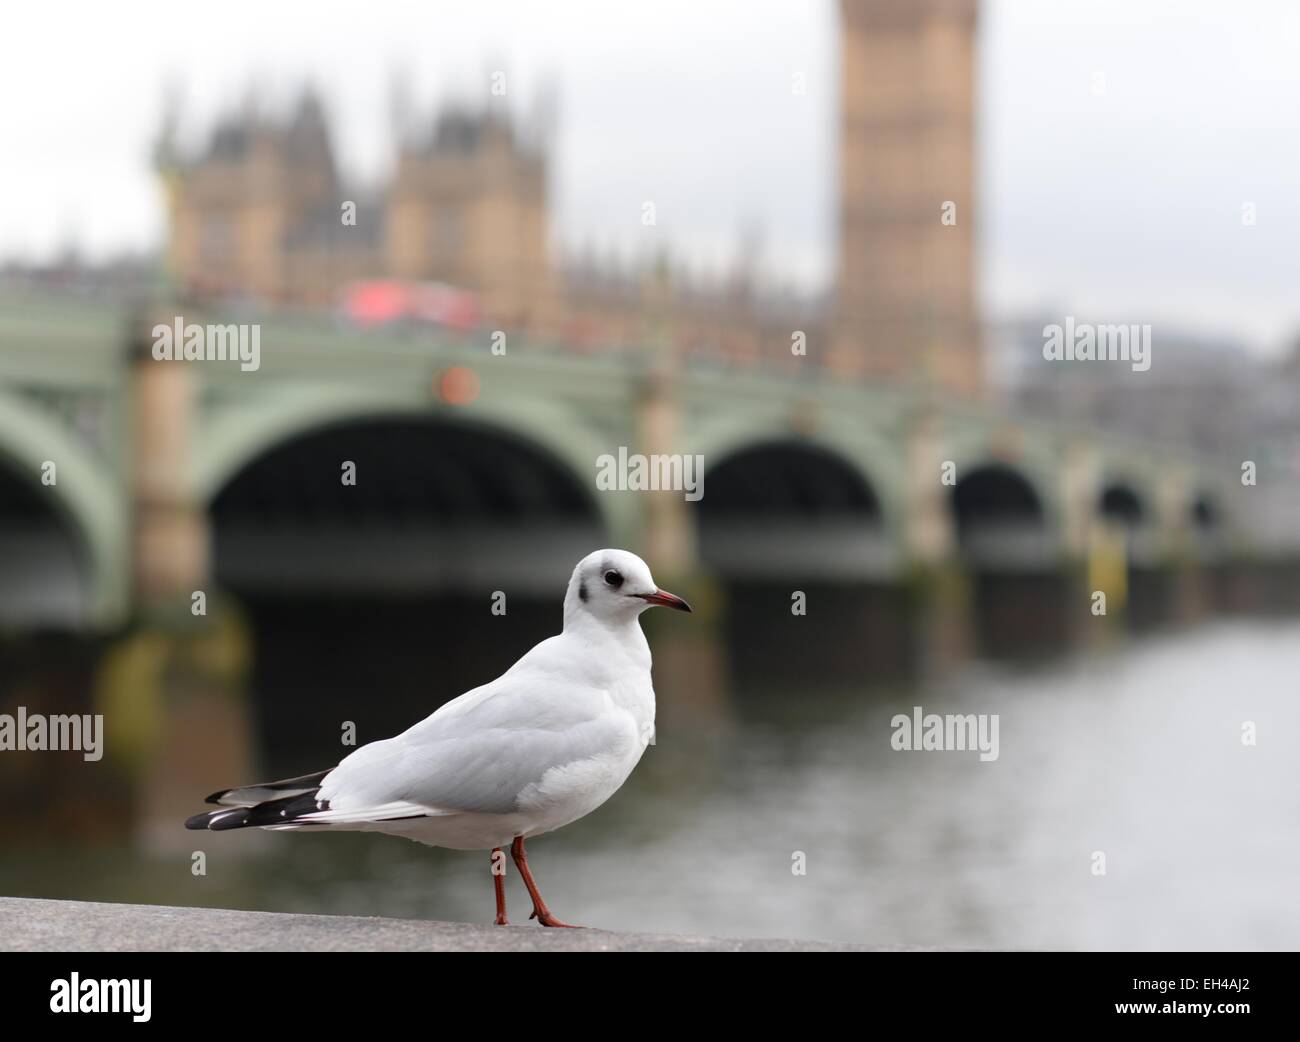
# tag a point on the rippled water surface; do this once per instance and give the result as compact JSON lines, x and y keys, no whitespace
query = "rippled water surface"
{"x":1134,"y":752}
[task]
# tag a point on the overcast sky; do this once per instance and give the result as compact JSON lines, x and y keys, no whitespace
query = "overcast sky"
{"x":1119,"y":139}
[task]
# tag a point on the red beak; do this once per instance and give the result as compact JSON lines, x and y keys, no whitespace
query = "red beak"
{"x":668,"y":600}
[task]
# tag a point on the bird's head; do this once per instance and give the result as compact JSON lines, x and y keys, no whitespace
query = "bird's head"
{"x":615,"y":585}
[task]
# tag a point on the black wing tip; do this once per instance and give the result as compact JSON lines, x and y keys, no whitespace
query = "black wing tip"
{"x":219,"y":820}
{"x":284,"y":811}
{"x":303,"y":781}
{"x":235,"y":819}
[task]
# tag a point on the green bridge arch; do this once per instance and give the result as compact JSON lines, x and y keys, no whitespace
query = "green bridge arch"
{"x":231,"y":436}
{"x":86,"y":493}
{"x":863,"y":451}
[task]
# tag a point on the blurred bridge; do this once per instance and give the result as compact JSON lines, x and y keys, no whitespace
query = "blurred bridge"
{"x":124,"y":479}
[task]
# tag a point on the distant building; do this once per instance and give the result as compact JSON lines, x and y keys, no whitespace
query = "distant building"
{"x":467,"y":206}
{"x":256,"y":215}
{"x":1208,"y":394}
{"x":905,"y":291}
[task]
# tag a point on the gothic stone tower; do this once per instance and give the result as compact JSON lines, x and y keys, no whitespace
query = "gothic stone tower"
{"x":905,"y":304}
{"x":237,"y":208}
{"x":468,"y":207}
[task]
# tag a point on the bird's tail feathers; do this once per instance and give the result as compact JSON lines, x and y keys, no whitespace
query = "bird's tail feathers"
{"x":295,"y":803}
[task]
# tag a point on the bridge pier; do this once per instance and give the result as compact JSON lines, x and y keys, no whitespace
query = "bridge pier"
{"x":171,"y":542}
{"x":690,"y":660}
{"x":1189,"y":597}
{"x":177,"y":713}
{"x":939,"y":589}
{"x":1103,"y":569}
{"x":943,"y":605}
{"x":667,"y":533}
{"x":174,"y":684}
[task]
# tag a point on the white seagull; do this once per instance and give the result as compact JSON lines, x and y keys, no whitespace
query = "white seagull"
{"x":544,"y":744}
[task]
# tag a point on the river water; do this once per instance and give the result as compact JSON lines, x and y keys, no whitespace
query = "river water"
{"x":1134,"y":753}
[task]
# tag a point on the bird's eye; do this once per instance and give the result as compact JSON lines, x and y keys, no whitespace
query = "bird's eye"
{"x":614,"y":579}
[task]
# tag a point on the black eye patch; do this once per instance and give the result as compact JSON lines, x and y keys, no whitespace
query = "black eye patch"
{"x":613,"y":579}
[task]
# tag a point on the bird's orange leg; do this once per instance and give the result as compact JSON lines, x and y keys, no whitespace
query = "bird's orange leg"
{"x":540,"y":912}
{"x":499,"y":884}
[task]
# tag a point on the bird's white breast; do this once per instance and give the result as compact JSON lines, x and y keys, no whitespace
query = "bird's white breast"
{"x":571,"y":790}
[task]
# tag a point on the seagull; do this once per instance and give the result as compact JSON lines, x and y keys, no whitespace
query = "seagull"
{"x":543,"y":745}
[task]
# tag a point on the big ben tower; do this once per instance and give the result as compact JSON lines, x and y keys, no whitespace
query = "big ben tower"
{"x":905,"y":306}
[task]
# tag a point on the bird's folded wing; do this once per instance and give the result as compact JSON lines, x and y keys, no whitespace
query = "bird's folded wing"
{"x":252,"y":795}
{"x":481,"y":751}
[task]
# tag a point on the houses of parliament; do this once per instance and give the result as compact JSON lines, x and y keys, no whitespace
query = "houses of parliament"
{"x":256,"y":215}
